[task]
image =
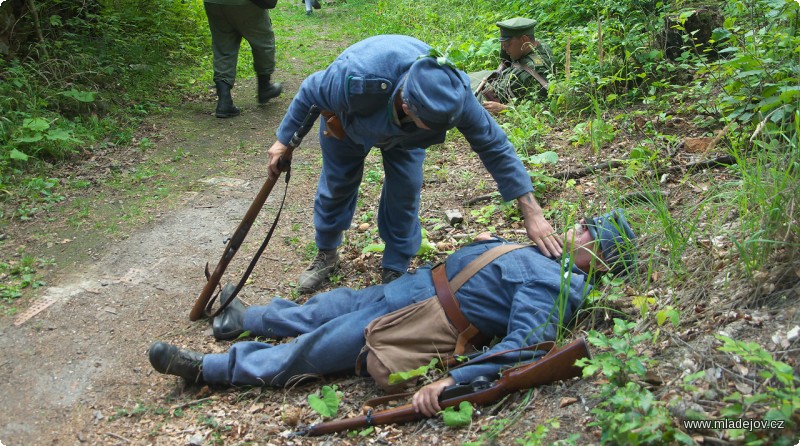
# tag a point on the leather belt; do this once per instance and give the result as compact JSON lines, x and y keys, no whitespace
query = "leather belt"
{"x":467,"y":333}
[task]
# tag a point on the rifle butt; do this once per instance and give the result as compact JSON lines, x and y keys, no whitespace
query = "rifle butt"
{"x":199,"y":309}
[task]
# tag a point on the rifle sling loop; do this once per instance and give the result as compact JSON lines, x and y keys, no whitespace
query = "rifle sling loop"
{"x":468,"y":334}
{"x":253,"y":262}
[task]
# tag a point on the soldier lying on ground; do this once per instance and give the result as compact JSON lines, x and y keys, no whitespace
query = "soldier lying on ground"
{"x":520,"y":297}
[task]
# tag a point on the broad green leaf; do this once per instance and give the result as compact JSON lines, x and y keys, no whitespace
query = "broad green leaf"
{"x":82,"y":96}
{"x":17,"y":155}
{"x":373,"y":247}
{"x":36,"y":124}
{"x":400,"y":377}
{"x":426,"y":247}
{"x":59,"y":135}
{"x":34,"y":138}
{"x":460,"y":417}
{"x":548,"y":157}
{"x":328,"y":405}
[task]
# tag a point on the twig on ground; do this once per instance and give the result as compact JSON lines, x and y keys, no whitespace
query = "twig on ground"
{"x":189,"y":403}
{"x":118,"y":437}
{"x":580,"y":173}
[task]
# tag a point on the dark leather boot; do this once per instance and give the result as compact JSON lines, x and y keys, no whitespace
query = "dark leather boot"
{"x":230,"y":323}
{"x":225,"y":107}
{"x":266,"y":89}
{"x":171,"y":360}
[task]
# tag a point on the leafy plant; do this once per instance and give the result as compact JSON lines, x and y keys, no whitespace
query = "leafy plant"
{"x":401,"y":377}
{"x":327,"y":405}
{"x":627,"y":413}
{"x":777,"y":396}
{"x":458,"y":417}
{"x":621,"y":363}
{"x":19,"y":275}
{"x":539,"y":436}
{"x":483,"y":215}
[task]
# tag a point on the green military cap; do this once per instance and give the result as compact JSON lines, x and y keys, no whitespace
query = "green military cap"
{"x":518,"y":26}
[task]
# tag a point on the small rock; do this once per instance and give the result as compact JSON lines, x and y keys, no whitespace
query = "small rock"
{"x":453,"y":216}
{"x":196,"y":440}
{"x":793,"y":334}
{"x":363,"y":227}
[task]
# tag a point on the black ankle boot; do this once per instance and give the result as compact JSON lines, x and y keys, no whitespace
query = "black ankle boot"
{"x":230,"y":323}
{"x":171,"y":360}
{"x":266,"y":89}
{"x":225,"y":107}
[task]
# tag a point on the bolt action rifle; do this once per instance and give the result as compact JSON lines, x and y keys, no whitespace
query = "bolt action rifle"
{"x":557,"y":364}
{"x":204,"y":301}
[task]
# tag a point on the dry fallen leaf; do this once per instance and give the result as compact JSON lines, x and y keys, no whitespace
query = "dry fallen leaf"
{"x":566,"y":401}
{"x":697,"y":145}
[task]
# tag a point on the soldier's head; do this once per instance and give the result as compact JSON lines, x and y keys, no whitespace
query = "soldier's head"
{"x":434,"y":93}
{"x":604,"y":243}
{"x":517,"y":37}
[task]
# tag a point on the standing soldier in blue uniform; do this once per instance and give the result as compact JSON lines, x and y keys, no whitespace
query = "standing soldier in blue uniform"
{"x":525,"y":64}
{"x":229,"y":22}
{"x":518,"y":296}
{"x":387,"y":92}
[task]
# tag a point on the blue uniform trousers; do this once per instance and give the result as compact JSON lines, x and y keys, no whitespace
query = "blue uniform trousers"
{"x":337,"y":194}
{"x":329,"y":332}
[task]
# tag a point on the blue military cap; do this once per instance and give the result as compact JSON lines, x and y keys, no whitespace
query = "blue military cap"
{"x":616,"y":240}
{"x":436,"y":92}
{"x":518,"y":26}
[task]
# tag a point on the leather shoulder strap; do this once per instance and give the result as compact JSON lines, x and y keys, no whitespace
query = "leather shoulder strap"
{"x":539,"y":78}
{"x":482,"y":260}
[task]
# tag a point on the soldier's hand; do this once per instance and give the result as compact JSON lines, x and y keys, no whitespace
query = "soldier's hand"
{"x":538,"y":228}
{"x":276,"y":152}
{"x":483,"y":236}
{"x":426,"y":399}
{"x":494,"y":107}
{"x":545,"y":237}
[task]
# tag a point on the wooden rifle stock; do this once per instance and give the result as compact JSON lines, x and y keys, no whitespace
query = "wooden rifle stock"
{"x":201,"y":304}
{"x":555,"y":366}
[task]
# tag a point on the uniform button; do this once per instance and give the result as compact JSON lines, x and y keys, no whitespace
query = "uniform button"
{"x":383,"y":85}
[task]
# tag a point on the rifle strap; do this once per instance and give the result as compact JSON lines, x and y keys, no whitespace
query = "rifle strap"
{"x":539,"y":78}
{"x":445,"y":291}
{"x":253,"y":262}
{"x":374,"y":403}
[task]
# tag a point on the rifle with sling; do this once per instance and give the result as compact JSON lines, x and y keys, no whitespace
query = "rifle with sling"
{"x":557,"y":364}
{"x":485,"y":89}
{"x":204,"y":301}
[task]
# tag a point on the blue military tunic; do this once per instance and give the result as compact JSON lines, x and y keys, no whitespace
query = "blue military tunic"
{"x":359,"y":87}
{"x":520,"y":298}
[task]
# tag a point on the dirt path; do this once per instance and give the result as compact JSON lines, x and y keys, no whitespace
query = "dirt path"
{"x":64,"y":369}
